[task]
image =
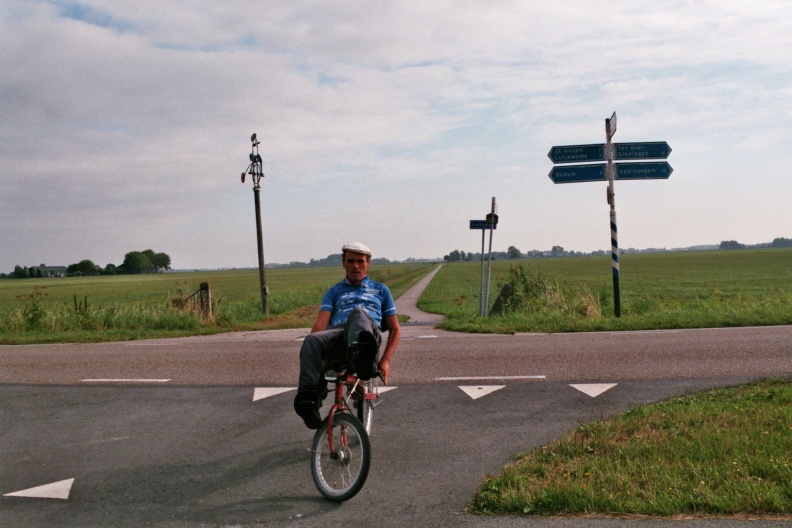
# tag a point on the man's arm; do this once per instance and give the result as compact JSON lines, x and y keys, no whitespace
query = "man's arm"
{"x":322,"y":320}
{"x":394,"y":334}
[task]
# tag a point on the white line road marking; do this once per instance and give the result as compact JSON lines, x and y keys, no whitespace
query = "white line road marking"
{"x":169,"y":344}
{"x":124,"y":380}
{"x":259,"y":393}
{"x":426,"y":337}
{"x":383,"y":390}
{"x":594,"y":389}
{"x":476,"y":378}
{"x":55,"y":490}
{"x":479,"y":391}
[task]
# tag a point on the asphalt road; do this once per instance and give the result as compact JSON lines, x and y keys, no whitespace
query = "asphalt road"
{"x":200,"y":431}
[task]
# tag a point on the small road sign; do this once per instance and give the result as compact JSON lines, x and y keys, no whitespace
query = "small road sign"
{"x":610,"y":126}
{"x":638,"y":151}
{"x":577,"y":153}
{"x":578,"y":173}
{"x":643,"y":171}
{"x":482,"y":224}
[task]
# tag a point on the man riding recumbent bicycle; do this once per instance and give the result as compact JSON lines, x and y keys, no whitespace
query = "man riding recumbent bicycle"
{"x":342,"y":349}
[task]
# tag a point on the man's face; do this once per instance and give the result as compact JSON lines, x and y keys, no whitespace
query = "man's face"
{"x":356,"y":266}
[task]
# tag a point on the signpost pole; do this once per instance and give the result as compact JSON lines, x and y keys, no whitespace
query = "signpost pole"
{"x":481,"y":286}
{"x":610,"y":129}
{"x":492,"y":221}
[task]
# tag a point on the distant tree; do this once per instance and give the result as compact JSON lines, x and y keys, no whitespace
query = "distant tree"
{"x":136,"y":262}
{"x":454,"y":256}
{"x":557,"y":251}
{"x":731,"y":244}
{"x":20,"y":272}
{"x":513,"y":253}
{"x":110,"y":269}
{"x":161,"y":261}
{"x":82,"y":268}
{"x":781,"y":243}
{"x":331,"y":260}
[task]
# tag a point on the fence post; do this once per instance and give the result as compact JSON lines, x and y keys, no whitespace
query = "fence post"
{"x":206,"y":301}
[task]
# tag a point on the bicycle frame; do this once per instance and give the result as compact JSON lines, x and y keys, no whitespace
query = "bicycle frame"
{"x":340,"y":404}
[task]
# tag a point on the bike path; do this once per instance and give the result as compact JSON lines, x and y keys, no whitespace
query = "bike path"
{"x":407,"y":303}
{"x":184,"y":457}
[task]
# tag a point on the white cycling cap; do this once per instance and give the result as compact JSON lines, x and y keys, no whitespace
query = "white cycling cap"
{"x":357,"y":247}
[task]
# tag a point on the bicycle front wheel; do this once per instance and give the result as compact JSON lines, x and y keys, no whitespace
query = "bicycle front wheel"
{"x":340,"y":474}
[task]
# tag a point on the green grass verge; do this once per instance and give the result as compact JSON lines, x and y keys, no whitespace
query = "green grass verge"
{"x":723,"y":452}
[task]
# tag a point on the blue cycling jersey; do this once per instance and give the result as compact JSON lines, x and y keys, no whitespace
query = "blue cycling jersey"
{"x":371,"y":295}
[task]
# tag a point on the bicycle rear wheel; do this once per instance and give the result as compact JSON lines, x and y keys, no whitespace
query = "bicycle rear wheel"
{"x":339,"y":476}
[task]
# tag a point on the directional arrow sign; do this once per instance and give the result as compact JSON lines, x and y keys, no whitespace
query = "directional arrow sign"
{"x":637,"y":151}
{"x":577,"y":153}
{"x":578,"y":173}
{"x":482,"y":224}
{"x":643,"y":171}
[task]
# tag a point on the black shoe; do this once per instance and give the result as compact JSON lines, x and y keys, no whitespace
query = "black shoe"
{"x":306,"y":406}
{"x":365,"y":356}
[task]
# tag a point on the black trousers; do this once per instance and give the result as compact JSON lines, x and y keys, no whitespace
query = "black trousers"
{"x":329,"y":346}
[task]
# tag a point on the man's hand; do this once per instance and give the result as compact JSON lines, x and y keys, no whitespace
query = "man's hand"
{"x":384,"y":368}
{"x":394,"y":334}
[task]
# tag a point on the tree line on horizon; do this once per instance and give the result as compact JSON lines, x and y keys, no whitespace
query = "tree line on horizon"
{"x":135,"y":262}
{"x":512,"y":253}
{"x":776,"y":243}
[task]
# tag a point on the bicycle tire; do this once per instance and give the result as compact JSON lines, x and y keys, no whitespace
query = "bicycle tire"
{"x":365,"y":408}
{"x":341,"y":477}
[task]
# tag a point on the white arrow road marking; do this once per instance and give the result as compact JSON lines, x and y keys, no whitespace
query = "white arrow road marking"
{"x":383,"y":390}
{"x":594,"y":389}
{"x":259,"y":393}
{"x":56,"y":490}
{"x":478,"y":391}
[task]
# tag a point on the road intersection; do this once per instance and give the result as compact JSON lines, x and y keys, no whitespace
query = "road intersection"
{"x":200,"y":431}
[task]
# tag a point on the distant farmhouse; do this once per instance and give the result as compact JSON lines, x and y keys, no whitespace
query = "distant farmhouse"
{"x":49,"y":271}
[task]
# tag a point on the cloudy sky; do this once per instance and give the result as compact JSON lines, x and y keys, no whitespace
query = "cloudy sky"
{"x":126,"y":125}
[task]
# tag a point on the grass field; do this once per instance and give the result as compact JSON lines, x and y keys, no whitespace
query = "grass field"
{"x":83,"y":309}
{"x":665,"y":290}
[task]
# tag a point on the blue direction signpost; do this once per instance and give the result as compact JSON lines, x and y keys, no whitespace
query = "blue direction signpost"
{"x":643,"y":171}
{"x":490,"y":223}
{"x":577,"y":153}
{"x":578,"y":173}
{"x":610,"y":171}
{"x":639,"y":151}
{"x":482,"y":224}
